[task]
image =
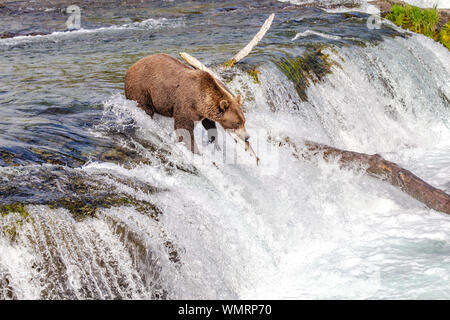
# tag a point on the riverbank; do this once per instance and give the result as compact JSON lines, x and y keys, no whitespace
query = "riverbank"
{"x":386,"y":5}
{"x":433,"y":23}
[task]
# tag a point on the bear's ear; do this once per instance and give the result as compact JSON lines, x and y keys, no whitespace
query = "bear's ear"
{"x":239,"y":99}
{"x":223,"y":105}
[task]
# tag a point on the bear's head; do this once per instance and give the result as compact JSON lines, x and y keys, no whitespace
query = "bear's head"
{"x":223,"y":107}
{"x":231,"y":116}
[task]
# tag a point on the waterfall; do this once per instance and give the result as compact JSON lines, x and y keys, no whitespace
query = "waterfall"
{"x":177,"y":225}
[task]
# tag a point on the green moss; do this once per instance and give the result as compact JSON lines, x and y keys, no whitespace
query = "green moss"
{"x":14,"y":208}
{"x":254,"y":74}
{"x":17,"y":216}
{"x":78,"y":208}
{"x":230,"y":63}
{"x":444,"y":36}
{"x":419,"y":20}
{"x":308,"y":68}
{"x":87,"y":208}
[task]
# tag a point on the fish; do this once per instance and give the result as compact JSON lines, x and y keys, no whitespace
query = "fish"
{"x":247,"y":146}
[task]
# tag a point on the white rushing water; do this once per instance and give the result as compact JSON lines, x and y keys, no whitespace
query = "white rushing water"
{"x":284,"y":229}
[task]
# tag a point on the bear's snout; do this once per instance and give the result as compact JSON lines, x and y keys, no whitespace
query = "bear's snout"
{"x":242,"y":134}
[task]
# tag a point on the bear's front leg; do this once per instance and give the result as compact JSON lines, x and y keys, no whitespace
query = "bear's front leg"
{"x":184,"y":128}
{"x":148,"y":109}
{"x":211,"y":128}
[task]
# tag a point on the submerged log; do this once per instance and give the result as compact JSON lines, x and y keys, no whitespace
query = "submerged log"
{"x":376,"y":166}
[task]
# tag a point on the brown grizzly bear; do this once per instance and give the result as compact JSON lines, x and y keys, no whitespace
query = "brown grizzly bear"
{"x":162,"y":84}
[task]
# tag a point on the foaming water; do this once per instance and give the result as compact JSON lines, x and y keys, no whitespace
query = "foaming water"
{"x":310,"y":32}
{"x":143,"y":218}
{"x":381,"y":106}
{"x":311,"y":230}
{"x":63,"y":259}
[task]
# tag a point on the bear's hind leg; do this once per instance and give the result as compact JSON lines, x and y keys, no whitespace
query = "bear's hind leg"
{"x":146,"y":104}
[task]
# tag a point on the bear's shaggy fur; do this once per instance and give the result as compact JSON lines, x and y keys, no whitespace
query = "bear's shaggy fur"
{"x":162,"y":84}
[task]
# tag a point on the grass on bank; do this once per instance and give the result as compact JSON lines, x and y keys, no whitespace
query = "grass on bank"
{"x":419,"y":20}
{"x":444,"y":35}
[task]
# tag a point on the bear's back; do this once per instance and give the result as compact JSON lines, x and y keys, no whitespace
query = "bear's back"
{"x":162,"y":82}
{"x":157,"y":68}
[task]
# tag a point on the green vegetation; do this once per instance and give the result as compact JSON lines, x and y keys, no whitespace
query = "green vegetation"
{"x":13,"y":208}
{"x":254,"y":74}
{"x":419,"y":20}
{"x":230,"y":63}
{"x":85,"y":207}
{"x":444,"y":35}
{"x":17,"y":216}
{"x":80,"y":207}
{"x":312,"y":66}
{"x":415,"y":19}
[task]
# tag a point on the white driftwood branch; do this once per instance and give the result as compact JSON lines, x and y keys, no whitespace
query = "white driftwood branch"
{"x":249,"y":47}
{"x":197,"y":64}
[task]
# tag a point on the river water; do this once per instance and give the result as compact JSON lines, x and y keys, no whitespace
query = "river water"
{"x":115,"y":209}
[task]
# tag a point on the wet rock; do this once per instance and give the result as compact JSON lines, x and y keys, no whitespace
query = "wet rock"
{"x":81,"y":194}
{"x":6,"y":290}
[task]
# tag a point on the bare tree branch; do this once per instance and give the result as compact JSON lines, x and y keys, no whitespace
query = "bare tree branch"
{"x":194,"y":62}
{"x":249,"y":47}
{"x":197,"y":64}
